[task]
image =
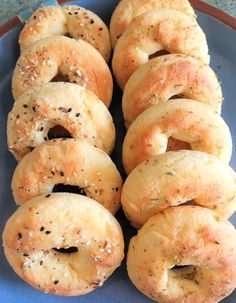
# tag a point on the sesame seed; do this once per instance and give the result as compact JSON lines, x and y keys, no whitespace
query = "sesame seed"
{"x":97,"y":258}
{"x":78,"y":72}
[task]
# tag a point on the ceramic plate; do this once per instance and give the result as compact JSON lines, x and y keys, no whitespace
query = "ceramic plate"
{"x":222,"y":44}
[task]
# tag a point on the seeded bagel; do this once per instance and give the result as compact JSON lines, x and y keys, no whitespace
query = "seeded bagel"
{"x":73,"y":20}
{"x":69,"y":105}
{"x":76,"y":60}
{"x":69,"y":162}
{"x":39,"y":233}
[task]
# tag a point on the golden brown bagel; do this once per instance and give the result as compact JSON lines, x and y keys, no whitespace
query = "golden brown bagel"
{"x":127,"y":10}
{"x":181,"y":236}
{"x":156,"y":30}
{"x":174,"y":178}
{"x":182,"y":119}
{"x":166,"y":77}
{"x":75,"y":59}
{"x":69,"y":105}
{"x":68,"y":162}
{"x":75,"y":21}
{"x":63,"y":221}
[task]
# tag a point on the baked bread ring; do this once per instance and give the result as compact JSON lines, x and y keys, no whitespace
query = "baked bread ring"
{"x":68,"y":162}
{"x":174,"y":178}
{"x":63,"y":221}
{"x":69,"y":105}
{"x":182,"y":119}
{"x":127,"y":10}
{"x":155,"y":31}
{"x":166,"y":77}
{"x":186,"y":235}
{"x":74,"y":21}
{"x":74,"y":59}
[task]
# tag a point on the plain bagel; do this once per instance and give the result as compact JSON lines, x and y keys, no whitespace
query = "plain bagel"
{"x":127,"y":10}
{"x":166,"y":77}
{"x":73,"y":20}
{"x":39,"y":233}
{"x":75,"y":60}
{"x":71,"y":106}
{"x":69,"y":162}
{"x":155,"y":31}
{"x":183,"y":120}
{"x":184,"y":236}
{"x":174,"y":178}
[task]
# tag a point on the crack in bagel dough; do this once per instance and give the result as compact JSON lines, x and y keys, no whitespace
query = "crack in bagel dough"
{"x":61,"y":221}
{"x":164,"y":77}
{"x":75,"y":59}
{"x":127,"y":10}
{"x":174,"y":178}
{"x":69,"y":105}
{"x":68,"y":162}
{"x":184,"y":235}
{"x":181,"y":119}
{"x":75,"y":21}
{"x":161,"y":29}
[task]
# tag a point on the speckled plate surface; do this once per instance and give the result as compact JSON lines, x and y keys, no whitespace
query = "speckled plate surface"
{"x":222,"y":44}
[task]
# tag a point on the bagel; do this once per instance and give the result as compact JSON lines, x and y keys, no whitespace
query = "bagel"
{"x":69,"y":105}
{"x":75,"y":21}
{"x":63,"y":221}
{"x":186,"y":235}
{"x":174,"y":178}
{"x":74,"y":59}
{"x":155,"y":31}
{"x":166,"y":77}
{"x":127,"y":10}
{"x":182,"y":119}
{"x":68,"y":162}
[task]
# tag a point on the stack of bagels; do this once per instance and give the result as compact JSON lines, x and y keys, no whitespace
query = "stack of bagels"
{"x":63,"y":243}
{"x":176,"y":151}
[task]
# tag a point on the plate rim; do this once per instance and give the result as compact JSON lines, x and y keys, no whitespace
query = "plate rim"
{"x":204,"y":7}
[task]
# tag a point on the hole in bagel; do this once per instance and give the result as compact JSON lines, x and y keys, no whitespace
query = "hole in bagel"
{"x":69,"y":250}
{"x":181,"y":267}
{"x":60,"y":78}
{"x":62,"y":188}
{"x":180,"y":96}
{"x":174,"y":144}
{"x":159,"y":53}
{"x":58,"y":132}
{"x":68,"y":35}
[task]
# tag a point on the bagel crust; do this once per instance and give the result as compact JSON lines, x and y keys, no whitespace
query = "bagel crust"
{"x":157,"y":30}
{"x":186,"y":235}
{"x":75,"y":21}
{"x":61,"y":221}
{"x":166,"y":77}
{"x":68,"y":162}
{"x":127,"y":10}
{"x":174,"y":178}
{"x":182,"y":119}
{"x":69,"y":105}
{"x":75,"y":59}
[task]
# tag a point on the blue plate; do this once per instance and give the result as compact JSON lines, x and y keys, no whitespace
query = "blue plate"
{"x":222,"y":44}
